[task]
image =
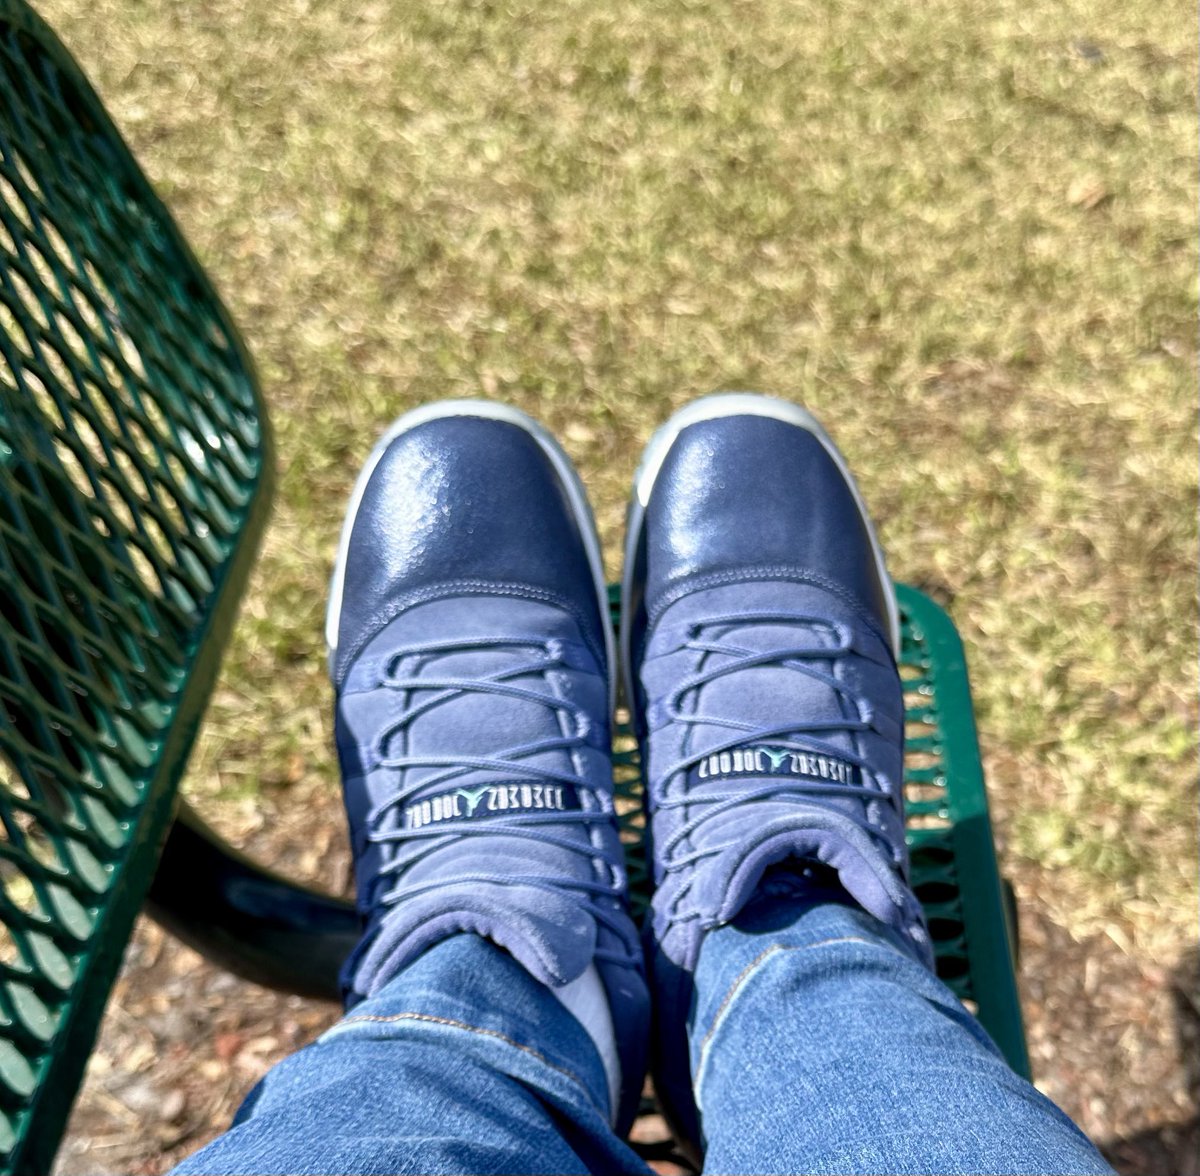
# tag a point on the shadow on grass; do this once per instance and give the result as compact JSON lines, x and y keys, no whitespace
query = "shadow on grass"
{"x":1172,"y":1149}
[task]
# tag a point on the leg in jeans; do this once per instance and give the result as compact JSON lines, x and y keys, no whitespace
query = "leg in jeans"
{"x":821,"y":1044}
{"x":799,"y":1025}
{"x":461,"y":1063}
{"x":497,"y":1000}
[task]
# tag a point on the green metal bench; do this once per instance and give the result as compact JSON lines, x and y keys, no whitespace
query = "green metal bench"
{"x":135,"y":468}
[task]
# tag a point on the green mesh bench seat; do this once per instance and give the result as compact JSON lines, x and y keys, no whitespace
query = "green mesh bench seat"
{"x":134,"y":481}
{"x":133,"y":484}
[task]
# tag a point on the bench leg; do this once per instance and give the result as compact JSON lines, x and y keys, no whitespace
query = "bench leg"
{"x":249,"y":920}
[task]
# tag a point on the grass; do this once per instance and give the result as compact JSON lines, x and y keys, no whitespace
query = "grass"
{"x":962,"y":232}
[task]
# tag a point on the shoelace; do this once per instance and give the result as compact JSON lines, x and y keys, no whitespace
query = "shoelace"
{"x":790,"y":735}
{"x":510,"y":764}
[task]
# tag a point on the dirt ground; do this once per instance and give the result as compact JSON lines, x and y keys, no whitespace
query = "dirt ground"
{"x":1115,"y":1041}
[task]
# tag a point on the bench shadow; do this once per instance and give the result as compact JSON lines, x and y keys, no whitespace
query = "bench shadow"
{"x":1172,"y":1149}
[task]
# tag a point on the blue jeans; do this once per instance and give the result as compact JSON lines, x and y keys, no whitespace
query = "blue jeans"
{"x":818,"y":1044}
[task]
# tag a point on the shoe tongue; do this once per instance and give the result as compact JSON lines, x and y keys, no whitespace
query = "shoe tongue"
{"x":456,"y":726}
{"x":775,"y":693}
{"x":790,"y":790}
{"x":822,"y":827}
{"x":820,"y":757}
{"x":550,"y":934}
{"x":825,"y":826}
{"x":477,"y":723}
{"x":805,"y":834}
{"x":767,"y":763}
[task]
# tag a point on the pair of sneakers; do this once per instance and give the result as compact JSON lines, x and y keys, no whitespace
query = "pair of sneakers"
{"x":475,"y":669}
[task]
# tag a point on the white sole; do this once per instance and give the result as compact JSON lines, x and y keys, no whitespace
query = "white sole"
{"x":576,"y":496}
{"x":707,"y":408}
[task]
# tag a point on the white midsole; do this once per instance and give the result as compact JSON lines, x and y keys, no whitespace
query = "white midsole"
{"x":576,"y":496}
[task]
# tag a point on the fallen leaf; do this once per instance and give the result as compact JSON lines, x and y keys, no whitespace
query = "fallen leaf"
{"x":1087,"y":192}
{"x":227,"y":1045}
{"x":171,"y":1108}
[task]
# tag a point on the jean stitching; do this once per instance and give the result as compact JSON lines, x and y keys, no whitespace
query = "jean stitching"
{"x":745,"y":975}
{"x":453,"y":1024}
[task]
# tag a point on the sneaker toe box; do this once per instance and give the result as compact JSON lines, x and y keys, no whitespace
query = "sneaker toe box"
{"x":457,"y":504}
{"x":742,"y":495}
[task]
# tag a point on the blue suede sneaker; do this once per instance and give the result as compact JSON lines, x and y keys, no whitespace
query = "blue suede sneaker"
{"x":471,"y":651}
{"x":759,"y":641}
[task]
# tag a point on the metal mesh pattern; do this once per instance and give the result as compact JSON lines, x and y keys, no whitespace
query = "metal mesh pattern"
{"x":927,"y":810}
{"x":130,"y":452}
{"x":971,"y":915}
